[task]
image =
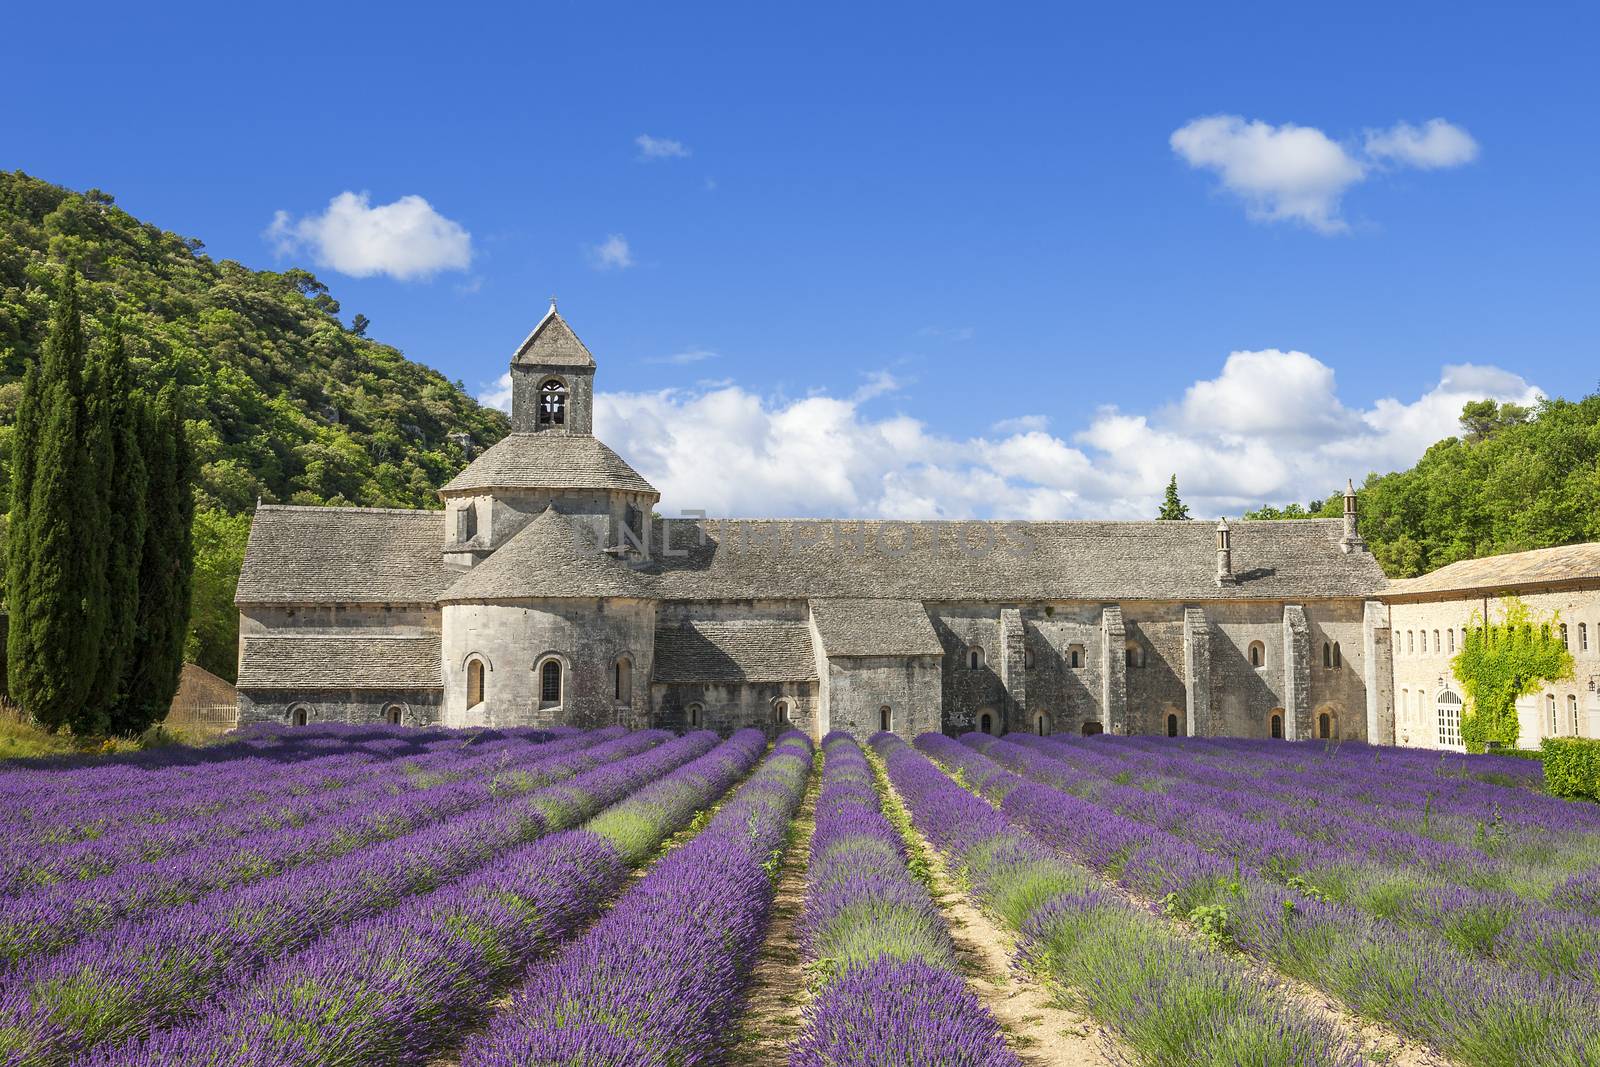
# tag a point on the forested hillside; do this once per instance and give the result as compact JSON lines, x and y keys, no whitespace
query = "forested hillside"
{"x":284,"y":402}
{"x":1514,"y":479}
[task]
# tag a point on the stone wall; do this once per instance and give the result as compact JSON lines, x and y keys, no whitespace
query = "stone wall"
{"x":356,"y":706}
{"x":726,"y":708}
{"x":860,"y":686}
{"x":1068,"y":696}
{"x":967,"y":691}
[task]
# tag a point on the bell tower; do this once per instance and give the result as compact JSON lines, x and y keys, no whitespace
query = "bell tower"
{"x":552,"y":380}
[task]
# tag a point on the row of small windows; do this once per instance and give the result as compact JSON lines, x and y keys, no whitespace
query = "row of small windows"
{"x":552,"y":679}
{"x":1572,"y":714}
{"x":976,"y":658}
{"x":1445,"y":641}
{"x":1134,"y":656}
{"x":300,"y":714}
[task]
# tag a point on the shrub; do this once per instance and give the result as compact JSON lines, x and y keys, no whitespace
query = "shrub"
{"x":1572,"y":767}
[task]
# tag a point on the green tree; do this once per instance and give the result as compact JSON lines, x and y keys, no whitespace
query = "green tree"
{"x":1172,"y":507}
{"x":19,"y":602}
{"x":219,"y":540}
{"x":1481,"y":419}
{"x":60,"y":594}
{"x":166,"y":568}
{"x":1502,"y":661}
{"x":116,"y":411}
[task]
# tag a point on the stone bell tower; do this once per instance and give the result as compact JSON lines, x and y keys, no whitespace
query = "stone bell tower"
{"x":552,"y":380}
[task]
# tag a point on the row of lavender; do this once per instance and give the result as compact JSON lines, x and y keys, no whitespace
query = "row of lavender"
{"x":158,"y":970}
{"x":401,"y":986}
{"x":1467,"y":896}
{"x":51,"y":917}
{"x":1476,"y":1011}
{"x":660,"y":978}
{"x":890,"y":988}
{"x":1170,"y":1000}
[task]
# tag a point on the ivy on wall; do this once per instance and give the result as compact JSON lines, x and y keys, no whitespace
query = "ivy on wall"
{"x":1502,"y":661}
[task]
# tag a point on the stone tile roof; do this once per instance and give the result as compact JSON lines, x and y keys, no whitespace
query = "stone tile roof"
{"x":548,"y":461}
{"x":552,"y":342}
{"x":305,"y":555}
{"x":1541,"y":566}
{"x":549,"y":557}
{"x":1092,"y":560}
{"x":856,"y":627}
{"x":745,"y":651}
{"x":324,"y":661}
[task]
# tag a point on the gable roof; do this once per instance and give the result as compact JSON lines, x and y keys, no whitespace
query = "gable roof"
{"x":317,"y":555}
{"x":1087,"y":560}
{"x":1541,"y":566}
{"x":548,"y":461}
{"x":552,"y":343}
{"x":549,"y":557}
{"x":857,"y":627}
{"x":699,"y":651}
{"x":339,"y":661}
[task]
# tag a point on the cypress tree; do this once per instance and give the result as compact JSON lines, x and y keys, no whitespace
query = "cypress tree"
{"x":18,"y":651}
{"x":115,"y":416}
{"x":63,"y":588}
{"x":1172,"y":508}
{"x":166,"y":568}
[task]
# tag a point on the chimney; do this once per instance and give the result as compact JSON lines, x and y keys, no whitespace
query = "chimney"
{"x":1351,"y":542}
{"x":1224,"y":554}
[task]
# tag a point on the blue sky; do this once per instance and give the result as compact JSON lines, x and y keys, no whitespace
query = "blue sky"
{"x":894,"y":259}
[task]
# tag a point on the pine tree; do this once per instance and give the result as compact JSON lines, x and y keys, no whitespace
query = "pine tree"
{"x":115,"y":413}
{"x":1172,"y":507}
{"x":63,"y":589}
{"x":166,"y":568}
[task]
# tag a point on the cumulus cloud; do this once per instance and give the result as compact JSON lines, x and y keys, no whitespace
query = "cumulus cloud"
{"x":684,"y":358}
{"x":497,"y":394}
{"x":1436,"y":144}
{"x":1281,"y":172}
{"x":660,"y":147}
{"x":1270,"y":427}
{"x":1300,"y":174}
{"x":611,"y":254}
{"x":406,"y":240}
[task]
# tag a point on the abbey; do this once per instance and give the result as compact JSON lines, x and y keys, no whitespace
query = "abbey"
{"x":547,"y":591}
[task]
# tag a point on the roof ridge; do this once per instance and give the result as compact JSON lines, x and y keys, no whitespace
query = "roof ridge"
{"x":346,"y":510}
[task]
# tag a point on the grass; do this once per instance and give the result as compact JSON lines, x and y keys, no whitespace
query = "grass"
{"x":27,"y":741}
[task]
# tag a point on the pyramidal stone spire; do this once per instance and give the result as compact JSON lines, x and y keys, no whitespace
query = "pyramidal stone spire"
{"x":552,"y":380}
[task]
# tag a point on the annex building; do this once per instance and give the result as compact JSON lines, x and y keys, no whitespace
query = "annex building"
{"x":547,"y":591}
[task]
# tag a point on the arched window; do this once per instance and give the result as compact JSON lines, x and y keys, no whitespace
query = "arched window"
{"x":1172,"y":726}
{"x":1276,"y":726}
{"x":1027,"y":659}
{"x":1133,"y":654}
{"x":1447,"y":709}
{"x":1337,"y":660}
{"x":1583,"y":637}
{"x":623,"y":682}
{"x":1324,"y":726}
{"x":299,"y":715}
{"x":1075,"y":657}
{"x":1564,"y":643}
{"x":1405,"y":700}
{"x":1437,"y":647}
{"x":986,"y":723}
{"x":1550,"y":705}
{"x":1572,"y":713}
{"x":1092,"y":727}
{"x":780,"y":713}
{"x":474,"y":682}
{"x":974,"y":658}
{"x":1258,"y":654}
{"x":1450,"y":638}
{"x":1041,"y":724}
{"x":1327,"y":654}
{"x":886,"y":719}
{"x":550,"y":682}
{"x":693,"y":712}
{"x":1411,"y":643}
{"x":392,"y":715}
{"x":552,"y":403}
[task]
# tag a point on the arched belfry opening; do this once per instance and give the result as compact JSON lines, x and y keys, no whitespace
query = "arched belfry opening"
{"x":553,"y":403}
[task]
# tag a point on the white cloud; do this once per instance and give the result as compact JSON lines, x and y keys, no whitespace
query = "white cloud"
{"x":1300,"y":174}
{"x":680,"y":359}
{"x":611,"y":254}
{"x":1281,"y":172}
{"x":406,"y":239}
{"x":1437,"y":144}
{"x":660,"y":147}
{"x":1269,"y":428}
{"x":497,"y":394}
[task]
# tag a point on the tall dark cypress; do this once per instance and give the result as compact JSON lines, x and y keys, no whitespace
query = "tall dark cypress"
{"x":18,"y":599}
{"x":166,"y":568}
{"x":64,"y":586}
{"x":115,"y":417}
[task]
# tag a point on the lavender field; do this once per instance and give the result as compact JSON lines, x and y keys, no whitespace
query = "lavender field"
{"x":387,"y":895}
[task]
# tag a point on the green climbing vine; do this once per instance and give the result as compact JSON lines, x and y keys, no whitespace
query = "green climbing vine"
{"x":1501,"y":661}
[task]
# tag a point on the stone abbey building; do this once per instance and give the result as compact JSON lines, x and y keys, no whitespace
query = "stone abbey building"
{"x":548,"y":591}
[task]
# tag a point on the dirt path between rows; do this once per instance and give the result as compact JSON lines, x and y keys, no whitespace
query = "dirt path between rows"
{"x":777,"y":993}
